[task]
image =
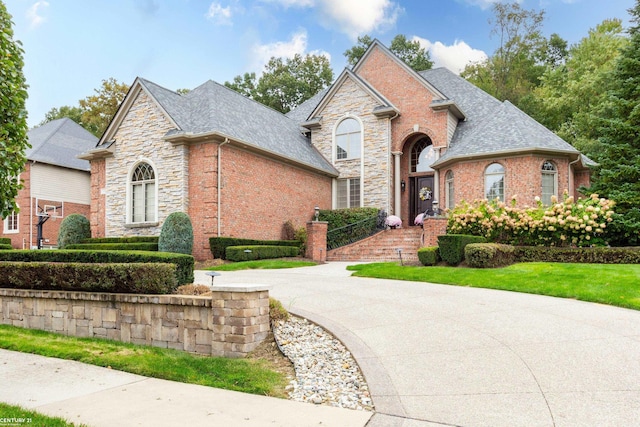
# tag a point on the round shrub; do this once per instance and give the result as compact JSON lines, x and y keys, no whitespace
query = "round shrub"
{"x":73,"y":229}
{"x":177,"y":234}
{"x":429,"y":255}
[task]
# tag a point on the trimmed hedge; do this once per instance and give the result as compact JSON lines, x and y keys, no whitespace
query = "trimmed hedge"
{"x":73,"y":229}
{"x":429,"y":255}
{"x":184,"y":263}
{"x":153,"y":247}
{"x":452,"y":246}
{"x":127,"y":239}
{"x":596,"y":255}
{"x":489,"y":255}
{"x":340,"y":217}
{"x":237,"y":253}
{"x":219,"y":245}
{"x":138,"y":278}
{"x":5,"y":247}
{"x":5,"y":240}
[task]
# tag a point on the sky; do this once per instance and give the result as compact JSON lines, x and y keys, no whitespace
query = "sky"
{"x":71,"y":46}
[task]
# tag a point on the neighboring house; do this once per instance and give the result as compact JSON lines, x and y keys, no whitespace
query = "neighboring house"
{"x":382,"y":135}
{"x":55,"y":183}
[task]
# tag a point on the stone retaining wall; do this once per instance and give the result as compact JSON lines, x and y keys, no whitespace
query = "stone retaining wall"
{"x":230,"y":323}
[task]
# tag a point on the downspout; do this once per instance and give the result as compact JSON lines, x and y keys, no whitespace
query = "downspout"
{"x":392,"y":170}
{"x":226,"y":141}
{"x":571,"y":180}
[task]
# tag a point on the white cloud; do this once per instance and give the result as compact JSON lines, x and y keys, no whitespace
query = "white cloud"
{"x":454,"y":57}
{"x":282,"y":49}
{"x":35,"y":19}
{"x":352,"y":17}
{"x":486,"y":4}
{"x":218,"y":14}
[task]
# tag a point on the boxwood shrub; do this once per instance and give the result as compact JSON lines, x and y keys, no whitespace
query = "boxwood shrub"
{"x":5,"y":241}
{"x":219,"y":245}
{"x":489,"y":255}
{"x":429,"y":255}
{"x":5,"y":247}
{"x":184,"y":263}
{"x":452,"y":246}
{"x":138,"y":278}
{"x":237,"y":253}
{"x":125,"y":239}
{"x":142,"y":246}
{"x":595,"y":255}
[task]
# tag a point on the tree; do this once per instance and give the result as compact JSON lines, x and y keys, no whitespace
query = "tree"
{"x":286,"y":83}
{"x":617,"y":176}
{"x":74,"y":113}
{"x":99,"y":109}
{"x":13,"y":123}
{"x":516,"y":66}
{"x":409,"y":51}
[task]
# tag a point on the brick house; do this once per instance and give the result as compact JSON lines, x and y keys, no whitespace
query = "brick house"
{"x":381,"y":135}
{"x":55,"y":183}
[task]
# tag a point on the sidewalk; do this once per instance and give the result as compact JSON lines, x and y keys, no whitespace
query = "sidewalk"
{"x":101,"y":397}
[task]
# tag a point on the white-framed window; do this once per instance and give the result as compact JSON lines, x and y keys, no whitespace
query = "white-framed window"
{"x":348,"y":193}
{"x":494,"y":182}
{"x":143,"y":194}
{"x":448,"y":190}
{"x":12,"y":223}
{"x":348,"y":139}
{"x":549,"y":182}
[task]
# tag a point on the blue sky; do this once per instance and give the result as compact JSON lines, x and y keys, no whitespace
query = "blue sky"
{"x":72,"y":45}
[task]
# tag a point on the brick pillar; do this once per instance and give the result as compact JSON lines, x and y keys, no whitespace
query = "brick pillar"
{"x":433,"y":227}
{"x":240,"y":318}
{"x":317,"y":240}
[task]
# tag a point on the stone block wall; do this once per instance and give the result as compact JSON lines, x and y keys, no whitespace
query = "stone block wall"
{"x":230,"y":324}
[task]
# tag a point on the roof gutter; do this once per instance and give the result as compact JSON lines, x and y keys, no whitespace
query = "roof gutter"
{"x":507,"y":153}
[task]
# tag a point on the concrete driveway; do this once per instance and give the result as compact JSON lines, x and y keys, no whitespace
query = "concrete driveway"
{"x":438,"y":355}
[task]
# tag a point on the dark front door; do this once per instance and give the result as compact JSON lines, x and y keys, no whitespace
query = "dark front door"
{"x":421,"y":196}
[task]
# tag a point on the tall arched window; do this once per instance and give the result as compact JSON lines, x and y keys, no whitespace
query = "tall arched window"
{"x":348,"y":139}
{"x":448,"y":187}
{"x":143,"y":194}
{"x":494,"y":182}
{"x":549,"y":182}
{"x":422,"y":155}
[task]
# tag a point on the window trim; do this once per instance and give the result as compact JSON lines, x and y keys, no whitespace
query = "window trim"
{"x":449,"y":189}
{"x":488,"y":174}
{"x":129,"y":194}
{"x":16,"y":221}
{"x":553,"y":173}
{"x":416,"y":156}
{"x":335,"y":139}
{"x":348,"y":182}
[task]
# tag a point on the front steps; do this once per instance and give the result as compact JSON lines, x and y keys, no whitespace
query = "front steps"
{"x":382,"y":246}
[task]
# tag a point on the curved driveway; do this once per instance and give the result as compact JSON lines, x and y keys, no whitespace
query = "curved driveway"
{"x":444,"y":355}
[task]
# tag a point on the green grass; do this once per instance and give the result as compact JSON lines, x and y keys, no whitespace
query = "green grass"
{"x":613,"y":284}
{"x":16,"y":415}
{"x":245,"y":375}
{"x":261,"y":264}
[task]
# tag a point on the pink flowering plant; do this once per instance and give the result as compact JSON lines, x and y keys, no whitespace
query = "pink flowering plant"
{"x":568,"y":222}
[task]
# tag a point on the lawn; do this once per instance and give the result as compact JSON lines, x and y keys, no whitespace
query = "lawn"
{"x":270,"y":264}
{"x":17,"y":416}
{"x":613,"y":284}
{"x":245,"y":375}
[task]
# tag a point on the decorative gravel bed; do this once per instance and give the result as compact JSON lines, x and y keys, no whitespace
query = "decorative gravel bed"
{"x":326,"y":373}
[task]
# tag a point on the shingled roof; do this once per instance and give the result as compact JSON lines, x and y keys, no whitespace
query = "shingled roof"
{"x":58,"y":142}
{"x":214,"y":108}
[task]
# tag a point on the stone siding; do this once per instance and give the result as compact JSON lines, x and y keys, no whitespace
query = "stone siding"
{"x":231,"y":323}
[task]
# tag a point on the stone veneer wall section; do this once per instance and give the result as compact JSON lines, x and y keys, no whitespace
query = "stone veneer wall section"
{"x":231,"y":323}
{"x":351,"y":101}
{"x":140,"y":137}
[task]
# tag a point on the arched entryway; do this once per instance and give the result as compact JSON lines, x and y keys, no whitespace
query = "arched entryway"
{"x":421,"y":181}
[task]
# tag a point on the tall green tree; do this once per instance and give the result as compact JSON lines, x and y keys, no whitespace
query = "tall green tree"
{"x":66,"y":111}
{"x":99,"y":109}
{"x":286,"y":83}
{"x":514,"y":69}
{"x":617,"y":176}
{"x":410,"y":51}
{"x":13,"y":115}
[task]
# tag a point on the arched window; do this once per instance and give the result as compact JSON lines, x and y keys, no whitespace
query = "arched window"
{"x":143,"y":194}
{"x":448,"y":186}
{"x":422,"y":155}
{"x":549,"y":182}
{"x":494,"y":182}
{"x":348,"y":139}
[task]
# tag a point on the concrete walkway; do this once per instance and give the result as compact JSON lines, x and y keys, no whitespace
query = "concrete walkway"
{"x":437,"y":355}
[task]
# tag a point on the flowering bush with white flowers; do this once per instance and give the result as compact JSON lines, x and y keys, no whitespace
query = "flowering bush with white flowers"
{"x":568,"y":222}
